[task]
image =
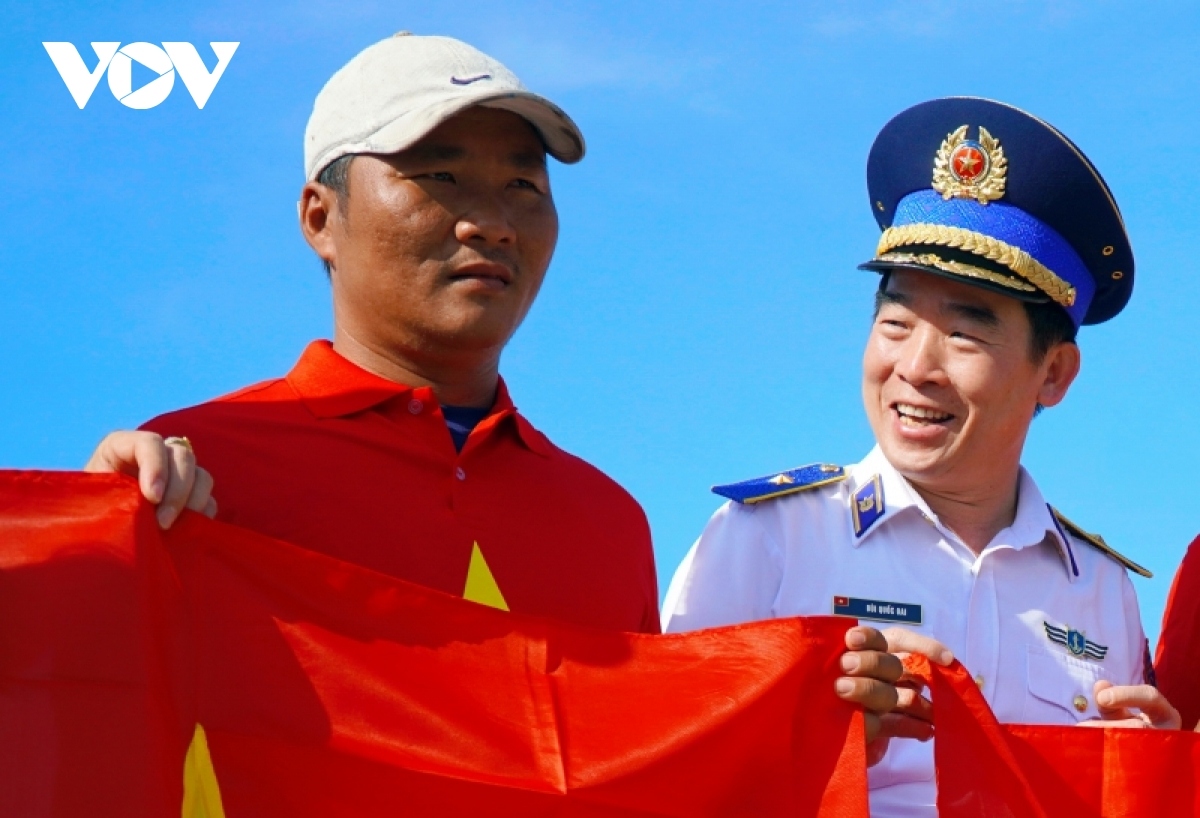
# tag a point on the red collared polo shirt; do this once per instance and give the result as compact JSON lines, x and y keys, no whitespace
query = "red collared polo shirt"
{"x":1177,"y":663}
{"x":341,"y":461}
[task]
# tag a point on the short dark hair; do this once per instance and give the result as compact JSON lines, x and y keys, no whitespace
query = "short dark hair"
{"x":336,"y":177}
{"x":1049,"y":323}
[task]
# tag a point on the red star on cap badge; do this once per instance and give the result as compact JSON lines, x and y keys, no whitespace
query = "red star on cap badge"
{"x":969,"y":162}
{"x":970,"y":169}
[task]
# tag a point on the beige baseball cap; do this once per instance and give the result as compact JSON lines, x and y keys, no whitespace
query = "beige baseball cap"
{"x":398,"y":90}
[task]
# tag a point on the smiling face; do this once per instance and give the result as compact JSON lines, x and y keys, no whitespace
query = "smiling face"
{"x":437,"y":252}
{"x":949,"y":383}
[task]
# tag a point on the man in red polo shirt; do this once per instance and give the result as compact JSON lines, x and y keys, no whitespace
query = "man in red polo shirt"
{"x":397,"y":446}
{"x":1177,"y":662}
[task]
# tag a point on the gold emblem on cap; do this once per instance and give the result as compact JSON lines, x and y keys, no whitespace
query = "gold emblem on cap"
{"x":967,"y":169}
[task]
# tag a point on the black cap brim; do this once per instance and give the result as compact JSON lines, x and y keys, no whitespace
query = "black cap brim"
{"x":881,"y":266}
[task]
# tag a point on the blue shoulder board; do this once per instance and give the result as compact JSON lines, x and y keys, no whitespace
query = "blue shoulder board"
{"x":785,"y":482}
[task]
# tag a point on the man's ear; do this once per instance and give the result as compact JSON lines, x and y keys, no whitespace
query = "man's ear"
{"x":319,"y":211}
{"x":1060,"y":367}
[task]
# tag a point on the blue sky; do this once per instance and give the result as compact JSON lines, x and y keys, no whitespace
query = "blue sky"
{"x":703,"y":319}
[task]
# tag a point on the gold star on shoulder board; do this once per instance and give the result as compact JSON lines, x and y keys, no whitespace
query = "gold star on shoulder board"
{"x":781,"y":480}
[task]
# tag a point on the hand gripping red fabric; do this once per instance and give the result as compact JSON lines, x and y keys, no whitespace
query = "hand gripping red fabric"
{"x":989,"y":769}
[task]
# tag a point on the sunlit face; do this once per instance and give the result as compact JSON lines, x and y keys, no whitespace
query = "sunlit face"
{"x":948,"y":383}
{"x":443,"y":246}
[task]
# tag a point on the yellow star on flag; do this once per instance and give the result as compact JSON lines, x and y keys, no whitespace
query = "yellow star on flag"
{"x":481,"y":585}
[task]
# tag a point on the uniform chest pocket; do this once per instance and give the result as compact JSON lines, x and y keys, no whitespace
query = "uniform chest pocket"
{"x":1060,"y":688}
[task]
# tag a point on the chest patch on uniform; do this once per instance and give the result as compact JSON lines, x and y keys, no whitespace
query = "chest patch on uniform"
{"x":878,"y":610}
{"x":867,"y":506}
{"x":1075,"y":642}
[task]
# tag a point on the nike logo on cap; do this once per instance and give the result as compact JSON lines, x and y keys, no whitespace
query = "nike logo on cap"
{"x":470,"y":80}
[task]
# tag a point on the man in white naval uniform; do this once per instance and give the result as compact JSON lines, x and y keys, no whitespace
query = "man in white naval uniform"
{"x":987,"y":271}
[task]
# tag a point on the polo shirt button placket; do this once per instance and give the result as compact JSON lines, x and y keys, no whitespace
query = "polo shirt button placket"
{"x":456,"y":493}
{"x":415,"y":406}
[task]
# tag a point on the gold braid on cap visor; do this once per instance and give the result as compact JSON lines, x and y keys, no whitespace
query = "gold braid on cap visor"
{"x":959,"y":238}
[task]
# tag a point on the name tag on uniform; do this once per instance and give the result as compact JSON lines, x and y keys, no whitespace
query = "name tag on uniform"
{"x":878,"y":610}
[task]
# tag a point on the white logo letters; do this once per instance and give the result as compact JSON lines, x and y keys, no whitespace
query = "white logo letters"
{"x":120,"y":76}
{"x":165,"y":62}
{"x":195,"y":76}
{"x":80,"y":82}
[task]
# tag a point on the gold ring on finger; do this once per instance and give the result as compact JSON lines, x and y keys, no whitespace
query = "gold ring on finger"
{"x":180,"y":441}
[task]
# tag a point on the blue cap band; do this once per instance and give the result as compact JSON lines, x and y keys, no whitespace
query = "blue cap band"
{"x":1010,"y":225}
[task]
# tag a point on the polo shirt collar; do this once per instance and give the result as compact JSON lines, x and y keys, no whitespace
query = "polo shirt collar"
{"x":1033,"y":524}
{"x":330,"y":386}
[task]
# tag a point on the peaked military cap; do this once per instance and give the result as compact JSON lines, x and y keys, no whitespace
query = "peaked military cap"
{"x":984,"y":193}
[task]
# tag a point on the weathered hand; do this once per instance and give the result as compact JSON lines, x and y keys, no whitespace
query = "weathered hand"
{"x":166,"y":471}
{"x":1132,"y":706}
{"x":875,"y":680}
{"x":913,"y":716}
{"x":902,"y":642}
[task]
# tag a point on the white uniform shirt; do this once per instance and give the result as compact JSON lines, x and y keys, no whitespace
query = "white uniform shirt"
{"x":792,"y":556}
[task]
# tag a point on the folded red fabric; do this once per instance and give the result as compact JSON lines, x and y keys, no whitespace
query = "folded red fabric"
{"x":327,"y":689}
{"x":985,"y":768}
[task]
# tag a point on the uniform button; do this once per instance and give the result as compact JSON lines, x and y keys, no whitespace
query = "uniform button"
{"x":415,"y":406}
{"x":459,"y":473}
{"x":1081,"y":703}
{"x":979,"y":682}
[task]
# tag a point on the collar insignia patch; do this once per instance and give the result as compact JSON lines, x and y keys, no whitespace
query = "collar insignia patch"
{"x":1075,"y":642}
{"x":866,"y":506}
{"x":969,"y":169}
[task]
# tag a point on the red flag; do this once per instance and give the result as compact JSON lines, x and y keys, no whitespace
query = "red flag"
{"x":92,"y":713}
{"x":985,"y":768}
{"x":326,"y":689}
